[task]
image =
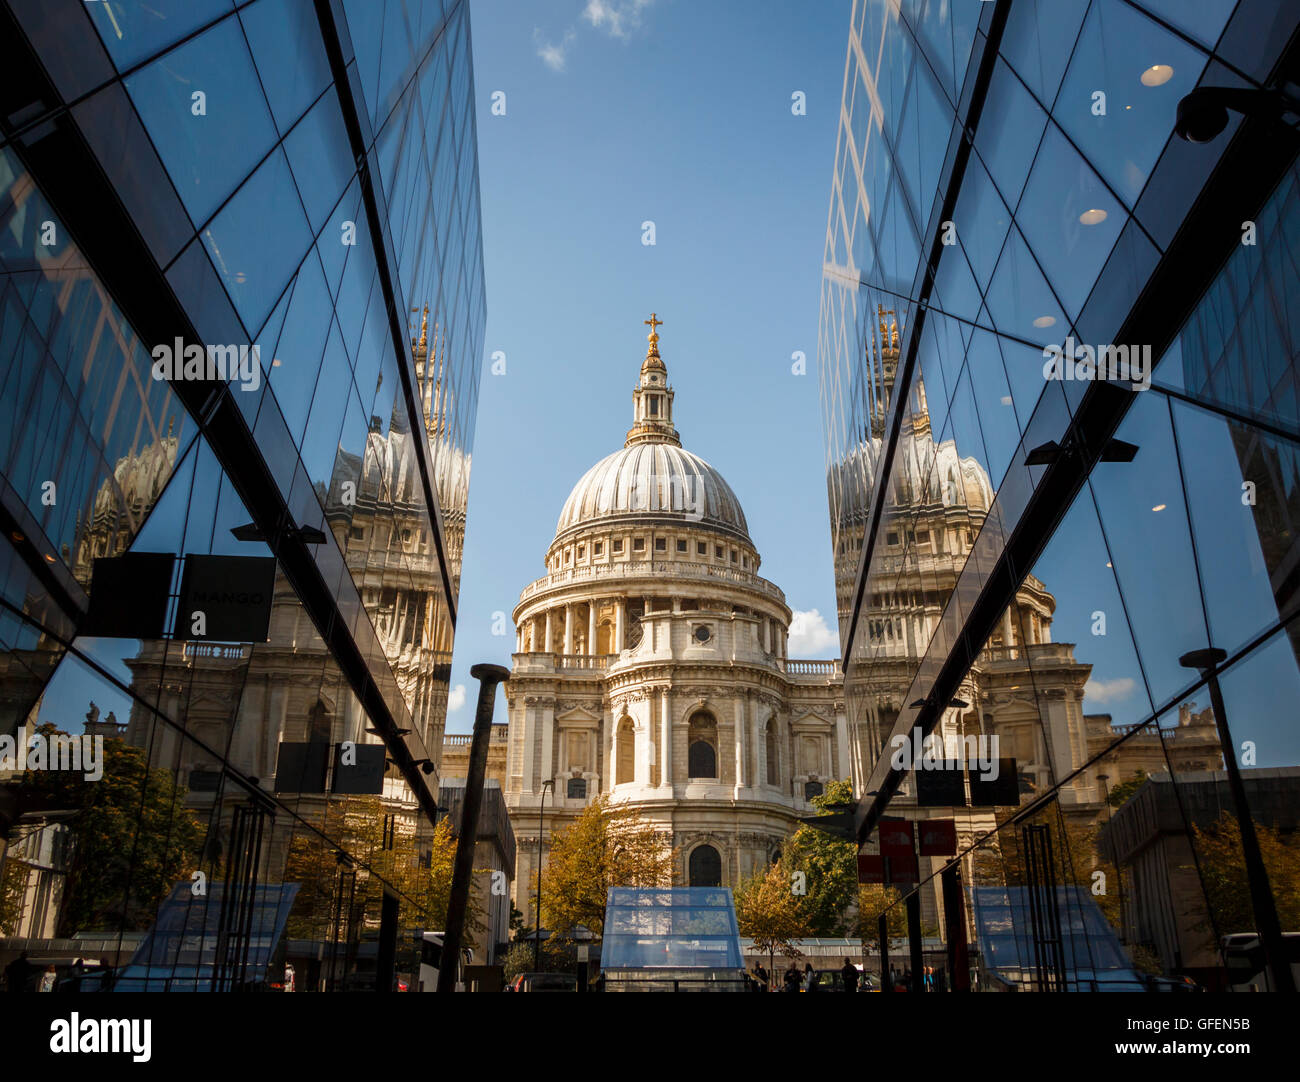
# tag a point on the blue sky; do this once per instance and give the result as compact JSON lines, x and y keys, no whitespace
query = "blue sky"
{"x":617,"y":114}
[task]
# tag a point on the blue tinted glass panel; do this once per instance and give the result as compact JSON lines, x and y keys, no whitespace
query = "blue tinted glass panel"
{"x":258,"y":239}
{"x":206,"y":114}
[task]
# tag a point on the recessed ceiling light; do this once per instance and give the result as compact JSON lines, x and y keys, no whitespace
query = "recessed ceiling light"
{"x":49,"y":557}
{"x":1093,"y":216}
{"x":1157,"y":75}
{"x":1045,"y":321}
{"x":1006,"y":400}
{"x":1108,"y":564}
{"x":240,"y":277}
{"x":275,"y":363}
{"x":1159,"y":507}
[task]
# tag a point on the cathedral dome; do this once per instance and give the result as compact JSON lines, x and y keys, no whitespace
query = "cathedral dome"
{"x":653,"y":480}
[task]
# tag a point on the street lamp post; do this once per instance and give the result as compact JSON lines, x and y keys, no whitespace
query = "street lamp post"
{"x":537,"y":931}
{"x":1267,"y":925}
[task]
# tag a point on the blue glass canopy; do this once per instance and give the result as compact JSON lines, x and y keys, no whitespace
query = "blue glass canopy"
{"x":1091,"y":952}
{"x":670,"y":927}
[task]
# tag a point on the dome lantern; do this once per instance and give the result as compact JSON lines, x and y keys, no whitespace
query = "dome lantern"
{"x":652,"y":400}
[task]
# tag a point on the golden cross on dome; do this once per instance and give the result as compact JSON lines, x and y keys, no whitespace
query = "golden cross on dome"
{"x":653,"y":322}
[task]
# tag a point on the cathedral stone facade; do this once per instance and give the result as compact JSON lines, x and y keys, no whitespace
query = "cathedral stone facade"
{"x":652,"y":666}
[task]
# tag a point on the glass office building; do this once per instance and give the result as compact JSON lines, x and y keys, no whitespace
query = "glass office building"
{"x":1027,"y":546}
{"x":241,"y":317}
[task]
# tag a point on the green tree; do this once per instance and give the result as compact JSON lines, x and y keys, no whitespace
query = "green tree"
{"x":1120,"y":795}
{"x":830,"y":868}
{"x":132,"y":836}
{"x":769,"y":912}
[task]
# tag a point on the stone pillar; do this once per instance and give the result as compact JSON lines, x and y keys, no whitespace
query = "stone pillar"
{"x":767,"y":635}
{"x":547,"y":765}
{"x":666,"y":741}
{"x":842,"y":767}
{"x":591,"y":628}
{"x":546,"y":642}
{"x":620,"y":607}
{"x":568,"y":628}
{"x":754,"y":742}
{"x":742,"y":745}
{"x":528,"y":716}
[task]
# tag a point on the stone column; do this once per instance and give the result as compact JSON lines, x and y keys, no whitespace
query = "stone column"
{"x":568,"y":628}
{"x":754,"y":741}
{"x":547,"y":765}
{"x":528,"y":715}
{"x":620,"y":607}
{"x":591,"y":628}
{"x":742,"y":745}
{"x":666,"y":741}
{"x":546,"y":642}
{"x":841,"y":748}
{"x":767,"y":635}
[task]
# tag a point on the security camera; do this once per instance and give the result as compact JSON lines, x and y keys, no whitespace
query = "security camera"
{"x":1200,"y":117}
{"x":1203,"y":113}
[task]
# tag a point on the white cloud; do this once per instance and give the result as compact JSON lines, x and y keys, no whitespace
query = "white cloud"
{"x":617,"y":17}
{"x":1104,"y":692}
{"x":455,"y":698}
{"x":810,"y":637}
{"x":554,"y":54}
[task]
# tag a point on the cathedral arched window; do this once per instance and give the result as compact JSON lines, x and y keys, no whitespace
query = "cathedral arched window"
{"x":703,"y":761}
{"x":625,"y":753}
{"x":705,"y":867}
{"x":769,"y":740}
{"x":702,"y":747}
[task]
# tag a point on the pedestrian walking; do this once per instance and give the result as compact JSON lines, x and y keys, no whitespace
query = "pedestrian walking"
{"x":849,"y":975}
{"x":18,"y":973}
{"x":791,"y":979}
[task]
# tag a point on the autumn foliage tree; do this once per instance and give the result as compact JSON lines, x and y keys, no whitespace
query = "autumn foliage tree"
{"x":1223,"y":870}
{"x":357,"y":824}
{"x":768,"y":911}
{"x":606,"y":846}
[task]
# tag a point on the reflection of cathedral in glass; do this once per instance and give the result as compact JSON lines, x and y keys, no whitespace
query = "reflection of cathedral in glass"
{"x":246,"y":700}
{"x":1023,"y":687}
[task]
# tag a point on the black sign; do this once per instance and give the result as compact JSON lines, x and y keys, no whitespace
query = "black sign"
{"x":128,"y":596}
{"x":1002,"y":791}
{"x":359,"y":769}
{"x":226,"y":599}
{"x":944,"y":786}
{"x":301,"y":767}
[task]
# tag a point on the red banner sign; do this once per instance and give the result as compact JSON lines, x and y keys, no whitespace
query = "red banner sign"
{"x":939,"y":838}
